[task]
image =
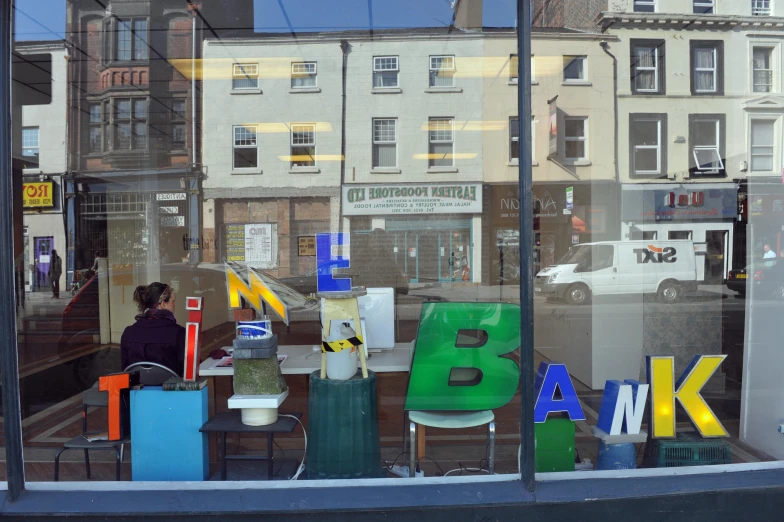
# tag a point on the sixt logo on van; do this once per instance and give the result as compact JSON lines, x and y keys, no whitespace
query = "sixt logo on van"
{"x":653,"y":254}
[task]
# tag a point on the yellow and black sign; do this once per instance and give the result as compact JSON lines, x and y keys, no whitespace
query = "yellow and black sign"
{"x":306,"y":245}
{"x":339,"y":346}
{"x":37,"y":195}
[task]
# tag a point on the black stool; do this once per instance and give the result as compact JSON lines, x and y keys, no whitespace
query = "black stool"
{"x":81,"y":442}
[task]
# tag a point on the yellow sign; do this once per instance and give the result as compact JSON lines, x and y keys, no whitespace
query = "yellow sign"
{"x":306,"y":245}
{"x":254,"y":291}
{"x":661,"y":376}
{"x":37,"y":195}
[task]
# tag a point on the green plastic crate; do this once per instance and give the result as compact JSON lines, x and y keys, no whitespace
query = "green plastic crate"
{"x":689,"y":449}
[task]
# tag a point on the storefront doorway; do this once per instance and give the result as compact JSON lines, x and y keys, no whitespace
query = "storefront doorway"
{"x":43,"y":252}
{"x":440,"y":252}
{"x":715,"y":257}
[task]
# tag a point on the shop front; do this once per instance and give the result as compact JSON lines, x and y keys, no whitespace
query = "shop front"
{"x":431,"y":229}
{"x":44,"y":229}
{"x":704,"y":213}
{"x":564,"y":215}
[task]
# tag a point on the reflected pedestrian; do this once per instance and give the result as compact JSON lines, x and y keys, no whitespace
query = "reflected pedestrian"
{"x":769,"y":254}
{"x":55,"y":270}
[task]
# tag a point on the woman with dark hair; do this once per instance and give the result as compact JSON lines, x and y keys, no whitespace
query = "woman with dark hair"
{"x":155,"y":336}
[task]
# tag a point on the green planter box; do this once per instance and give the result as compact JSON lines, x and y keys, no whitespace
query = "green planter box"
{"x":554,"y":445}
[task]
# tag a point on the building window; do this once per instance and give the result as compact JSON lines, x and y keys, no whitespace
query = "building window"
{"x":647,"y":59}
{"x":384,"y":143}
{"x":760,"y":7}
{"x":644,"y":6}
{"x":95,"y":119}
{"x":514,"y":139}
{"x":703,"y":6}
{"x":575,"y":138}
{"x":130,"y":123}
{"x":303,"y":145}
{"x":514,"y":66}
{"x":30,"y":143}
{"x":647,"y":143}
{"x":131,"y":40}
{"x":442,"y":142}
{"x":706,"y":143}
{"x":246,"y":147}
{"x":707,"y":67}
{"x":245,"y":76}
{"x":762,"y":145}
{"x":303,"y":75}
{"x":574,"y":68}
{"x":178,"y":127}
{"x":385,"y":71}
{"x":762,"y":69}
{"x":442,"y":71}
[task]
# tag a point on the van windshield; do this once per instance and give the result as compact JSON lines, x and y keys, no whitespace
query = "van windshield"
{"x":575,"y":255}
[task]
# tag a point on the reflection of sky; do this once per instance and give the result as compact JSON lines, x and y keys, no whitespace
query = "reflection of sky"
{"x":45,"y":19}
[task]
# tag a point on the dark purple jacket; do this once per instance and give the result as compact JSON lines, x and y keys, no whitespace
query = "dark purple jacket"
{"x":154,"y":337}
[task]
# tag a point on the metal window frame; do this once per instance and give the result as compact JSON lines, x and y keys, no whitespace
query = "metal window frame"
{"x":772,"y":146}
{"x":771,"y":62}
{"x":292,"y":144}
{"x":654,"y":68}
{"x":584,"y":59}
{"x":441,"y":70}
{"x":714,"y":70}
{"x":715,"y":148}
{"x":383,"y":142}
{"x":658,"y":147}
{"x":431,"y":141}
{"x":307,"y":74}
{"x":760,"y":8}
{"x":583,"y":138}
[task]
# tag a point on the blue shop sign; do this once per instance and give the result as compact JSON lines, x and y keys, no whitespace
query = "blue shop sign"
{"x":695,"y":202}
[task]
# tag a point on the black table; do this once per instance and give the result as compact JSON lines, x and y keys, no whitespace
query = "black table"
{"x":231,"y":422}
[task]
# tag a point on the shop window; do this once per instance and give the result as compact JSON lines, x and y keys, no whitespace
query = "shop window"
{"x":442,"y":71}
{"x":706,"y":143}
{"x":303,"y":75}
{"x":303,"y":145}
{"x":647,"y":59}
{"x":679,"y":234}
{"x":760,"y":8}
{"x":384,"y":143}
{"x":130,"y":42}
{"x":707,"y":67}
{"x":762,"y":145}
{"x":30,"y":143}
{"x":245,"y":76}
{"x":95,"y":118}
{"x":442,"y":142}
{"x":647,"y":144}
{"x":246,"y":147}
{"x":385,"y":71}
{"x":576,"y":138}
{"x":574,"y":68}
{"x":703,"y":6}
{"x":644,"y":6}
{"x":130,"y":123}
{"x":762,"y":69}
{"x":178,"y":127}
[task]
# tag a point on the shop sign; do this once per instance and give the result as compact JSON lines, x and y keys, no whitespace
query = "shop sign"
{"x":38,"y":195}
{"x":251,"y":244}
{"x":569,"y":198}
{"x":170,"y":196}
{"x":692,"y":202}
{"x":306,"y":246}
{"x":553,"y":128}
{"x":172,"y":221}
{"x":457,"y":198}
{"x":168,"y":210}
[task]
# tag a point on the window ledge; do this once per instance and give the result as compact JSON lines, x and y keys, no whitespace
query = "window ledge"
{"x":31,"y":171}
{"x":245,"y":91}
{"x":386,"y":90}
{"x":304,"y":170}
{"x":515,"y":163}
{"x":578,"y":163}
{"x":441,"y":170}
{"x":246,"y":172}
{"x":535,"y":164}
{"x":580,"y":83}
{"x":433,"y":90}
{"x":305,"y":90}
{"x":385,"y":171}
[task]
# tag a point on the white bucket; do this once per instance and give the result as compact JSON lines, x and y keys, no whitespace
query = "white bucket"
{"x":342,"y":365}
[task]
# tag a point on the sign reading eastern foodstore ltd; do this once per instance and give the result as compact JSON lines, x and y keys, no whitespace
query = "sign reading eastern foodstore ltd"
{"x":453,"y":198}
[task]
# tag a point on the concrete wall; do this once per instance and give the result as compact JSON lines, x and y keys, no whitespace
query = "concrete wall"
{"x":592,"y":99}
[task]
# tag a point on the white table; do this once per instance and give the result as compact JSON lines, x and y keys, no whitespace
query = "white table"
{"x":301,"y":359}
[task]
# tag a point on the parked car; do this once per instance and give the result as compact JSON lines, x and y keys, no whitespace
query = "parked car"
{"x":737,"y":280}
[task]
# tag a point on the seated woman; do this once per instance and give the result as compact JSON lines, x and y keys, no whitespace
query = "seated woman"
{"x":155,"y":336}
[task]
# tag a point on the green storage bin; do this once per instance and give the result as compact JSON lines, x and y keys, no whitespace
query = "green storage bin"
{"x":689,"y":449}
{"x":343,"y":438}
{"x":554,"y":445}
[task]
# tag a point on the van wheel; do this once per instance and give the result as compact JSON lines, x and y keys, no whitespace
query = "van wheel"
{"x":669,"y":292}
{"x":578,"y":294}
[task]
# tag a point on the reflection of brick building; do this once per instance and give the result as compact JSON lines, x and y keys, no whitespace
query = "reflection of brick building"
{"x":135,"y":174}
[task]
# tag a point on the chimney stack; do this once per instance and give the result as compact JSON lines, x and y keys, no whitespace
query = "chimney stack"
{"x":468,"y":14}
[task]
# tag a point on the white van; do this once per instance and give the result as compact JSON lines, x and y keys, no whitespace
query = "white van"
{"x":665,"y":268}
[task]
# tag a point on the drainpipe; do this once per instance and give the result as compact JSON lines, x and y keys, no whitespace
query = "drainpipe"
{"x":606,"y":48}
{"x":345,"y":48}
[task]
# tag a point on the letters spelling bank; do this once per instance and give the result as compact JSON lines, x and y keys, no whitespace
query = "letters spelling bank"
{"x":623,"y":403}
